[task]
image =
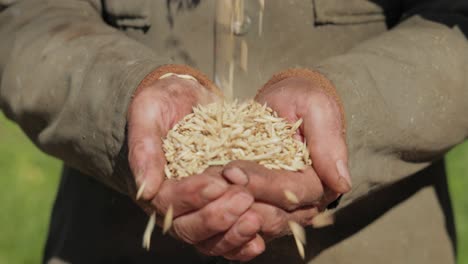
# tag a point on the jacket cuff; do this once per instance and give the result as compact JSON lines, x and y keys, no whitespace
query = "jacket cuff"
{"x":179,"y":69}
{"x":116,"y":145}
{"x":314,"y":77}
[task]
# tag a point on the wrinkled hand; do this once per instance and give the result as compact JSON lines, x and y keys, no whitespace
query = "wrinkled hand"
{"x":315,"y":187}
{"x":268,"y":187}
{"x":205,"y":206}
{"x":213,"y":217}
{"x":154,"y":110}
{"x":322,"y":127}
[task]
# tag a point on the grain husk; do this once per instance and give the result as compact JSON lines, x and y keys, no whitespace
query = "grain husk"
{"x":215,"y":134}
{"x":148,"y":231}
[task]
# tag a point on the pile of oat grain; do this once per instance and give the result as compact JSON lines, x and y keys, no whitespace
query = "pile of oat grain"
{"x":218,"y":133}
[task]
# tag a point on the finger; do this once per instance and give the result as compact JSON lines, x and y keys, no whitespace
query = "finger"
{"x":322,"y":129}
{"x":217,"y":217}
{"x":146,"y":157}
{"x":244,"y":230}
{"x":275,"y":220}
{"x":191,"y":193}
{"x":270,"y":185}
{"x":249,"y":251}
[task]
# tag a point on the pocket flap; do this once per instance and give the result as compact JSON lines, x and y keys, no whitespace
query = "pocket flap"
{"x":128,"y":13}
{"x":350,"y":11}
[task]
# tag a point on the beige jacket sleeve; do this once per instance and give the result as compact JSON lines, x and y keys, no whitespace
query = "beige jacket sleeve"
{"x":405,"y":94}
{"x":67,"y":79}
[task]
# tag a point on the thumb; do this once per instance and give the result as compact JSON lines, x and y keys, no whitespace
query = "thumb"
{"x":147,"y":163}
{"x":327,"y":146}
{"x":146,"y":157}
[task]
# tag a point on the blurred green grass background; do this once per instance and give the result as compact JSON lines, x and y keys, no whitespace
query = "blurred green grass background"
{"x":29,"y":180}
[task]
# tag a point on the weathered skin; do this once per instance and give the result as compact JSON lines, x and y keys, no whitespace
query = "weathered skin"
{"x":399,"y":67}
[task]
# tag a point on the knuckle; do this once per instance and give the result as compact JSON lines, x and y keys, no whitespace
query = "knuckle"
{"x":276,"y":224}
{"x":246,"y":231}
{"x":188,"y":189}
{"x":253,"y":218}
{"x":185,"y":203}
{"x":259,"y":183}
{"x":214,"y":221}
{"x":190,"y":192}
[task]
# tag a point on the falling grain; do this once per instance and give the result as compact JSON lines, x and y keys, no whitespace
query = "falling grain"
{"x":299,"y":237}
{"x":148,"y":231}
{"x":300,"y":248}
{"x":291,"y":197}
{"x":298,"y":231}
{"x":168,"y":219}
{"x":141,"y":190}
{"x":324,"y":219}
{"x":244,"y":55}
{"x":260,"y":17}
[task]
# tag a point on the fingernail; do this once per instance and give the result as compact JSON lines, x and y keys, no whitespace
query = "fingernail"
{"x":214,"y":190}
{"x":345,"y":179}
{"x":238,"y":204}
{"x":236,"y":176}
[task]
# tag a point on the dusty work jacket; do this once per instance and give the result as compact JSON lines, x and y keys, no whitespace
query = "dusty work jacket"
{"x":68,"y":69}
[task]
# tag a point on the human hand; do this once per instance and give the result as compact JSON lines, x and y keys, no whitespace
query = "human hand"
{"x":272,"y":206}
{"x":154,"y":110}
{"x":322,"y":128}
{"x":315,"y":188}
{"x":204,"y":206}
{"x":272,"y":203}
{"x":217,"y":225}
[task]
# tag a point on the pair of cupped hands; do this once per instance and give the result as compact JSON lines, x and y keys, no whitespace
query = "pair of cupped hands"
{"x":231,"y":211}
